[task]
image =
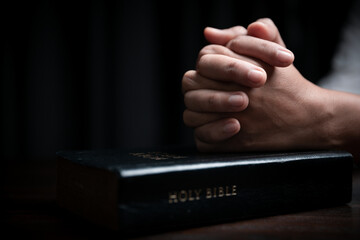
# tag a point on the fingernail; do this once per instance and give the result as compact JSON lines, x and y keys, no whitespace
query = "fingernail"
{"x":256,"y":76}
{"x":284,"y":56}
{"x":230,"y":127}
{"x":236,"y":100}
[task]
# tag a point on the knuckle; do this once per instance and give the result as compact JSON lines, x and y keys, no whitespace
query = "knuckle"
{"x":232,"y":69}
{"x":189,"y":74}
{"x":205,"y":51}
{"x":268,"y":47}
{"x":213,"y":100}
{"x":188,"y":83}
{"x":209,"y":49}
{"x":264,"y":45}
{"x":203,"y":61}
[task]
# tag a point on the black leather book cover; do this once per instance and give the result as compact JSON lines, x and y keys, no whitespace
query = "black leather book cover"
{"x":167,"y":189}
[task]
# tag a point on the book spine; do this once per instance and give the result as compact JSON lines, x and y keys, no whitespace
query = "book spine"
{"x":190,"y":198}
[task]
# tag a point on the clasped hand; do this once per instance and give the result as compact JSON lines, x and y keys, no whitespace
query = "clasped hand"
{"x":246,"y":95}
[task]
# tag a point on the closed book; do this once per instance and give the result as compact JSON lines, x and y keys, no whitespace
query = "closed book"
{"x":161,"y":190}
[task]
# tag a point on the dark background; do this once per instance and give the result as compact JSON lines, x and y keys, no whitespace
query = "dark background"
{"x":104,"y":74}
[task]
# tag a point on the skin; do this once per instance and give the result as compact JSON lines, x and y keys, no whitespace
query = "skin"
{"x":246,"y":95}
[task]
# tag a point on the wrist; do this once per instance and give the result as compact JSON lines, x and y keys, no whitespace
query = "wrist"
{"x":342,"y":126}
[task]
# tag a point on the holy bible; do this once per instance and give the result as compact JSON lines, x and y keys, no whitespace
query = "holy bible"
{"x":156,"y":190}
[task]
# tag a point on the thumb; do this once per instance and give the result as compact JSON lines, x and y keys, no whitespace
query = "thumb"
{"x":265,"y":28}
{"x":223,"y":36}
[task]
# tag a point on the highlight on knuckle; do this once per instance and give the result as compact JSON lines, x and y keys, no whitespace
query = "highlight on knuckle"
{"x":188,"y":82}
{"x":232,"y":69}
{"x":268,"y":48}
{"x":264,"y":45}
{"x":209,"y":49}
{"x":213,"y":100}
{"x":203,"y":62}
{"x":205,"y":50}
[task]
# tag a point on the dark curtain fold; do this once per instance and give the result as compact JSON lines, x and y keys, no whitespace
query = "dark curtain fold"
{"x":104,"y":74}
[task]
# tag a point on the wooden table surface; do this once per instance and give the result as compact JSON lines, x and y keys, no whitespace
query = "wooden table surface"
{"x":29,"y":210}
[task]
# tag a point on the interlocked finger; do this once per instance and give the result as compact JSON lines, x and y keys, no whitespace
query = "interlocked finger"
{"x":205,"y":100}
